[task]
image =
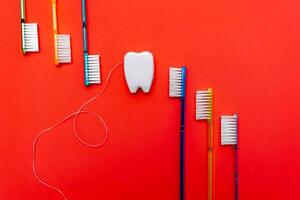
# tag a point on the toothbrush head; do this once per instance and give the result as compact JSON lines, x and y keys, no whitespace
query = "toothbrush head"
{"x":92,"y":69}
{"x":204,"y":106}
{"x":229,"y":129}
{"x":30,"y":41}
{"x":177,"y":82}
{"x":62,"y":48}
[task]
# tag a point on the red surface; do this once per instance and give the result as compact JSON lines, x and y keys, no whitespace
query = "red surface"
{"x":247,"y":51}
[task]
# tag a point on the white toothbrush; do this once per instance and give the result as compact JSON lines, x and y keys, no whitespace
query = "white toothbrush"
{"x":177,"y":88}
{"x":229,"y":136}
{"x":30,"y":40}
{"x":204,"y":109}
{"x":91,"y":62}
{"x":62,"y":43}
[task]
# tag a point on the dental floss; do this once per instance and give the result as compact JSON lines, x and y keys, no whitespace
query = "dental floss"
{"x":139,"y":71}
{"x":75,"y":115}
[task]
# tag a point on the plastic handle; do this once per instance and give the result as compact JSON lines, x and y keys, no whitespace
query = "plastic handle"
{"x":54,"y":13}
{"x":182,"y":149}
{"x":182,"y":126}
{"x":83,"y":7}
{"x":23,"y":18}
{"x":23,"y":15}
{"x":210,"y":160}
{"x":236,"y":173}
{"x":84,"y":34}
{"x":85,"y":44}
{"x":84,"y":31}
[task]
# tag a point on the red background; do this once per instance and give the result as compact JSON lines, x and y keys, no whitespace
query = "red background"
{"x":247,"y":51}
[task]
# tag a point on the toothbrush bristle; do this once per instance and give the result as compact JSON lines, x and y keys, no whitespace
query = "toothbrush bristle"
{"x":175,"y":82}
{"x":30,"y":34}
{"x":63,"y":48}
{"x":204,"y":104}
{"x":229,"y":129}
{"x":94,"y":69}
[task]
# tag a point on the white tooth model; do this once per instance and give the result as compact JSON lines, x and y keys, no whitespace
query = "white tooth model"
{"x":139,"y":71}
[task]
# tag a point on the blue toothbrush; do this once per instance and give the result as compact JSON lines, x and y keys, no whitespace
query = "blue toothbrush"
{"x":91,"y":62}
{"x":177,"y":88}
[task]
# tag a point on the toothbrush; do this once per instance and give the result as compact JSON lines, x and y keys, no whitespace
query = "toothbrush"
{"x":177,"y":88}
{"x":91,"y":62}
{"x":229,"y":136}
{"x":30,"y":41}
{"x":204,"y":108}
{"x":62,"y":46}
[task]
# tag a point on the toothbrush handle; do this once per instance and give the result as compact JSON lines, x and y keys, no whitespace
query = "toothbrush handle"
{"x":182,"y":126}
{"x":84,"y":32}
{"x":210,"y":161}
{"x":236,"y":172}
{"x":23,"y":18}
{"x":54,"y":13}
{"x":182,"y":149}
{"x":23,"y":15}
{"x":83,"y":8}
{"x":85,"y":43}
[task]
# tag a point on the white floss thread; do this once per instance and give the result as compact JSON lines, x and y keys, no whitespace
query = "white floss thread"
{"x":75,"y":115}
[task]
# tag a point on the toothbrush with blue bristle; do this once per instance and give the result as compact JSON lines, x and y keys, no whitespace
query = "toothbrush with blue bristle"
{"x":91,"y":62}
{"x":177,"y":88}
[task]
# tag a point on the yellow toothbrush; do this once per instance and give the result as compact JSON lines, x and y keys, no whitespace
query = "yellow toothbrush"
{"x":204,"y":110}
{"x":62,"y":44}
